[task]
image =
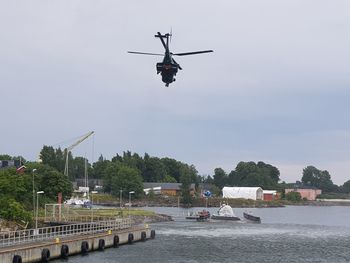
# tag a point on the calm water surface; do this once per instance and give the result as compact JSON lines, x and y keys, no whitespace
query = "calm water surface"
{"x":290,"y":234}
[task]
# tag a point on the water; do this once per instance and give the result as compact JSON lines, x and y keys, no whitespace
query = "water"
{"x":290,"y":234}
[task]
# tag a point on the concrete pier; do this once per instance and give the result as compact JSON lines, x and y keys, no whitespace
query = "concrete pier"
{"x":43,"y":251}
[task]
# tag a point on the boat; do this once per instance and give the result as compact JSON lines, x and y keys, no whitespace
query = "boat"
{"x":225,"y":212}
{"x":199,"y":216}
{"x":252,"y":218}
{"x":74,"y":201}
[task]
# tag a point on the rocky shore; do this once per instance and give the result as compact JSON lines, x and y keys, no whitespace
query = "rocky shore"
{"x":151,"y":219}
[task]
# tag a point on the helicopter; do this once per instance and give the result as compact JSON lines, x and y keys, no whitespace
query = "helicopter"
{"x":168,"y":67}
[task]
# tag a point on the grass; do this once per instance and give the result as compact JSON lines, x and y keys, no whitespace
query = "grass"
{"x":113,"y":212}
{"x":104,"y":198}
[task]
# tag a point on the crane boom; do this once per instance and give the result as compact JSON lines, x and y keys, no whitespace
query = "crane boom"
{"x":71,"y":147}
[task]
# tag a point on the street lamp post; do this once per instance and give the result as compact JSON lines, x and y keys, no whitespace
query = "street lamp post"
{"x":131,"y":192}
{"x":37,"y":206}
{"x":120,"y":198}
{"x":33,"y":194}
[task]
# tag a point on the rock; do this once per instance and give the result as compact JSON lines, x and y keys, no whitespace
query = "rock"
{"x":151,"y":219}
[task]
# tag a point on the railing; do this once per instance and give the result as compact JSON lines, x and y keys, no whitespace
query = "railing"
{"x":24,"y":236}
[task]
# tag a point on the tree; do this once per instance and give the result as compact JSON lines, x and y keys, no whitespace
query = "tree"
{"x":59,"y":160}
{"x":121,"y":177}
{"x":220,"y":178}
{"x":186,"y":197}
{"x":186,"y":179}
{"x":15,"y":186}
{"x":55,"y":158}
{"x":269,"y":171}
{"x":110,"y":171}
{"x":5,"y":157}
{"x":169,"y":179}
{"x":127,"y":179}
{"x":154,"y":170}
{"x":99,"y":167}
{"x":12,"y":210}
{"x":346,"y":187}
{"x":172,"y":168}
{"x":53,"y":182}
{"x":48,"y":156}
{"x":317,"y":178}
{"x":78,"y":166}
{"x":16,"y":191}
{"x":250,"y":174}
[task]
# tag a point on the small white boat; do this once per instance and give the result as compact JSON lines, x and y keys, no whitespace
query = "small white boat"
{"x":76,"y":202}
{"x":225,"y":212}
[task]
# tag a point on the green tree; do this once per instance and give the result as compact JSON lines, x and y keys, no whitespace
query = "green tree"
{"x":220,"y":178}
{"x":78,"y":166}
{"x":154,"y":170}
{"x":186,"y":179}
{"x":12,"y":210}
{"x":110,"y":171}
{"x":346,"y":187}
{"x":16,"y":190}
{"x":172,"y":168}
{"x":5,"y":157}
{"x":55,"y":158}
{"x":60,"y":160}
{"x":127,"y":179}
{"x":99,"y":167}
{"x":251,"y":174}
{"x":317,"y":178}
{"x":169,"y":179}
{"x":15,"y":186}
{"x":269,"y":171}
{"x":53,"y":182}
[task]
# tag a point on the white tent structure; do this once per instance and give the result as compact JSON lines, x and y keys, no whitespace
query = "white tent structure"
{"x":254,"y":193}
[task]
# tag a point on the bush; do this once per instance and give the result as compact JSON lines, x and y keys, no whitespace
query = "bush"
{"x":12,"y":210}
{"x":293,"y":196}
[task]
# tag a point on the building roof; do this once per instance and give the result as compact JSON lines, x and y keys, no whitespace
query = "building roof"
{"x":273,"y":192}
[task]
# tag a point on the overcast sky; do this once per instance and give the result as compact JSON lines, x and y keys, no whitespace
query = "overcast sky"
{"x":275,"y":89}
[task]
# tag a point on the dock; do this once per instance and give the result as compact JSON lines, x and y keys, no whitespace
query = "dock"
{"x":44,"y":244}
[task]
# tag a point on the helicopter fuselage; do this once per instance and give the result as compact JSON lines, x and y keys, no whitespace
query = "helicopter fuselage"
{"x":167,"y":68}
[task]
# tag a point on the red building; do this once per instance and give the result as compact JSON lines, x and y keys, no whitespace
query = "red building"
{"x":270,"y":195}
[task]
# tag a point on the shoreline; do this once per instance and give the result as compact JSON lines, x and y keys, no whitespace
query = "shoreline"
{"x":235,"y":203}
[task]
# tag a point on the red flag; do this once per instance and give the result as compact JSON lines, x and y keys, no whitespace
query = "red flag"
{"x":21,"y":169}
